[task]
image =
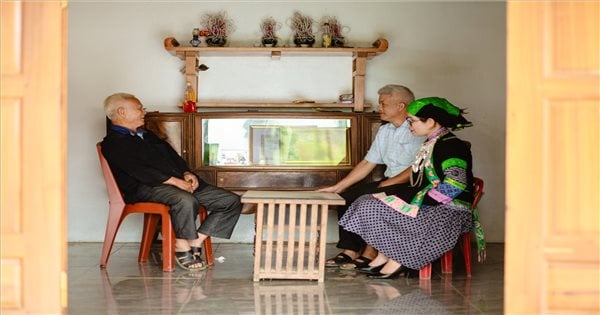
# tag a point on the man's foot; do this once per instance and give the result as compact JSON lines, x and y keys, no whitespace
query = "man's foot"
{"x":188,"y":261}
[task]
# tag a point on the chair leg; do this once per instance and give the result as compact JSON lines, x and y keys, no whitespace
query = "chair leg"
{"x":168,"y":243}
{"x":425,"y":272}
{"x":150,"y":223}
{"x":466,"y":242}
{"x":112,"y":226}
{"x":208,"y":252}
{"x":447,"y":262}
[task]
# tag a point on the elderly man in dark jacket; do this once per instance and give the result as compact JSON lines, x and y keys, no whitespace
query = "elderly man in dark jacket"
{"x":147,"y":168}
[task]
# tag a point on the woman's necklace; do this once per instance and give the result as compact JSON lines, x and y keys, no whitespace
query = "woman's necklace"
{"x":424,"y":155}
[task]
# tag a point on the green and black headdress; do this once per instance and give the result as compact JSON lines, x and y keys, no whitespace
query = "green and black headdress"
{"x":440,"y":110}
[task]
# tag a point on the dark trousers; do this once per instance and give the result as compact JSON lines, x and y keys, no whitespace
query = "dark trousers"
{"x":349,"y":240}
{"x":223,"y":206}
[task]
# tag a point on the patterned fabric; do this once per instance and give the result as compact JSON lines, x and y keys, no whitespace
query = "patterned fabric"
{"x":415,"y":242}
{"x":454,"y":182}
{"x":479,"y":235}
{"x":394,"y":147}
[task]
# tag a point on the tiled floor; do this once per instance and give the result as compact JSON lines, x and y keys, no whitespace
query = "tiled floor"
{"x":127,"y":287}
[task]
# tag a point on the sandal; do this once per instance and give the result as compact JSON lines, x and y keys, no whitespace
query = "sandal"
{"x":357,"y":263}
{"x":338,"y":260}
{"x":186,"y":260}
{"x":197,"y":252}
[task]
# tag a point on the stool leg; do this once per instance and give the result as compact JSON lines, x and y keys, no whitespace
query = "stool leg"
{"x":208,"y":252}
{"x":425,"y":272}
{"x":150,"y":223}
{"x":447,"y":262}
{"x":115,"y":217}
{"x":168,"y":243}
{"x":466,"y":242}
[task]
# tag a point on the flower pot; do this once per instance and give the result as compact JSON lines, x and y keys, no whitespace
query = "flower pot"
{"x":269,"y":41}
{"x":337,"y":41}
{"x":216,"y":41}
{"x":304,"y":41}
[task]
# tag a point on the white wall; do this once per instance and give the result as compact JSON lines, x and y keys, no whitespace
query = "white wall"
{"x":452,"y":50}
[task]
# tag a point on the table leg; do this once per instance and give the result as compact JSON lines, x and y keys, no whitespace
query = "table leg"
{"x":258,"y":240}
{"x":323,"y":241}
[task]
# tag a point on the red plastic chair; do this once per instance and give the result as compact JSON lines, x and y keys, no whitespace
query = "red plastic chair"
{"x":153,"y":213}
{"x":425,"y":272}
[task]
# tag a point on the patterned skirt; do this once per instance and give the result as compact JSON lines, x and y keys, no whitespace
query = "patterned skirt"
{"x":413,"y":242}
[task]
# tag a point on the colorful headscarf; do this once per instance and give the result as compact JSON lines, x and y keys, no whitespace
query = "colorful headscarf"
{"x":440,"y":110}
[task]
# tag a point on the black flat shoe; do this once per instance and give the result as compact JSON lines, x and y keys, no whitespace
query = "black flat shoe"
{"x":355,"y":264}
{"x":370,"y":270}
{"x":394,"y":275}
{"x":338,"y":260}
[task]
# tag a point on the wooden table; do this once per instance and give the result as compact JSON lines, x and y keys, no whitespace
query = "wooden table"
{"x":289,"y":226}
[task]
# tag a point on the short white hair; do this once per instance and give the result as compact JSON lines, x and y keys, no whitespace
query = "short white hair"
{"x":400,"y":92}
{"x":112,"y":102}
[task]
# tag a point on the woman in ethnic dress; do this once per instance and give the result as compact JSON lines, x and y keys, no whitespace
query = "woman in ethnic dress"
{"x":424,"y":219}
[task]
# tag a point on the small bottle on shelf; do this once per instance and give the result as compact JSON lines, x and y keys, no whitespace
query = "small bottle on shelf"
{"x":189,"y":99}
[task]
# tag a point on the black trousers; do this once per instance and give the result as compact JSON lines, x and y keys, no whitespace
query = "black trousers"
{"x":224,"y":209}
{"x":349,"y":240}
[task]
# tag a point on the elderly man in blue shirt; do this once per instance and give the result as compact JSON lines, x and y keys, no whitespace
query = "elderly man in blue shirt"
{"x":395,"y":147}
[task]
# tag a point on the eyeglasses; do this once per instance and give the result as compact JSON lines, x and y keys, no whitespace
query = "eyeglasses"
{"x":411,"y":120}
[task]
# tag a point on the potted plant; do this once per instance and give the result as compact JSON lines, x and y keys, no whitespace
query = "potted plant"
{"x":302,"y":28}
{"x":269,"y":27}
{"x":219,"y":26}
{"x":332,"y":32}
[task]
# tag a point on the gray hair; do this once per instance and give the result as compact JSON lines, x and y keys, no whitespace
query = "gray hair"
{"x":401,"y":92}
{"x":113,"y":102}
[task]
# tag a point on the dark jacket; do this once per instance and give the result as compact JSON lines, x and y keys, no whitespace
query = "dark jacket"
{"x":135,"y":161}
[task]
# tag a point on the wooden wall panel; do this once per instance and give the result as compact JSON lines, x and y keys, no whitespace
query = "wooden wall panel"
{"x":10,"y":150}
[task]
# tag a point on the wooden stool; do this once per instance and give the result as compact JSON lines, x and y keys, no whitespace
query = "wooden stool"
{"x":288,"y":229}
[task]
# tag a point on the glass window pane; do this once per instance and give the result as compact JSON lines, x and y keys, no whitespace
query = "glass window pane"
{"x":276,"y":142}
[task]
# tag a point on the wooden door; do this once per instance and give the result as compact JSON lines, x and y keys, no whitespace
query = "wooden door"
{"x":175,"y":128}
{"x":33,"y":151}
{"x":552,"y":162}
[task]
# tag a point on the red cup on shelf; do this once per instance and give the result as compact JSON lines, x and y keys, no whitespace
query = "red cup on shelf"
{"x":189,"y":107}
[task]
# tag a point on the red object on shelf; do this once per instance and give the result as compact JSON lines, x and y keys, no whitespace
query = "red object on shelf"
{"x":189,"y":107}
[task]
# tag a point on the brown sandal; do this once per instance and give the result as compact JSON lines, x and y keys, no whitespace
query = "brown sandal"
{"x":186,"y":260}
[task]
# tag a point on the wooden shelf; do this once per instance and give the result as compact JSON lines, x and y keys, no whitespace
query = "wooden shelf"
{"x":359,"y":67}
{"x":274,"y":105}
{"x":173,"y":46}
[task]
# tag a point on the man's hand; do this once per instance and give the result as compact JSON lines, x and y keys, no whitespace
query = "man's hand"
{"x":191,"y":177}
{"x":180,"y":183}
{"x":331,"y":189}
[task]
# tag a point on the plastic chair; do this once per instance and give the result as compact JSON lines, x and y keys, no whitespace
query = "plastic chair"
{"x":153,"y":213}
{"x":446,"y":259}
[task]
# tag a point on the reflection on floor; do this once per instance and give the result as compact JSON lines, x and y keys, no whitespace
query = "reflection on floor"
{"x":127,"y":287}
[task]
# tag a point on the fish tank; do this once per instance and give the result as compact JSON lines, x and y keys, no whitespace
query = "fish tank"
{"x":276,"y":142}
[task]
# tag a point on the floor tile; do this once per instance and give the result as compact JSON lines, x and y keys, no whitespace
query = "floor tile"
{"x":127,"y":287}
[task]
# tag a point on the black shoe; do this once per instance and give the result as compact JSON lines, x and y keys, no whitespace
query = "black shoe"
{"x":394,"y":275}
{"x":338,"y":260}
{"x":371,"y":270}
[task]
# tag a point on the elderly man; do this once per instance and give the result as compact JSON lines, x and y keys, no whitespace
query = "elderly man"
{"x":147,"y":168}
{"x":395,"y":147}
